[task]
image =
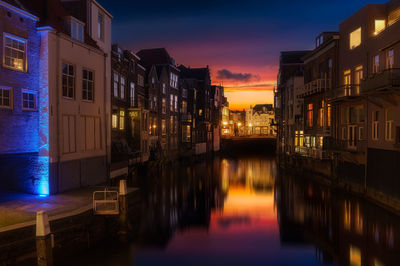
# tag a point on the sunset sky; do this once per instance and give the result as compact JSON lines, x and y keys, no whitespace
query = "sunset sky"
{"x":239,"y":40}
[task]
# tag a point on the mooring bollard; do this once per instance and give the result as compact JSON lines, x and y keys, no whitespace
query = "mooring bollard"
{"x":123,"y":210}
{"x":44,"y":240}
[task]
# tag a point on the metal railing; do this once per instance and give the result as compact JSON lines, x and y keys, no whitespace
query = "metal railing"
{"x":344,"y":91}
{"x":106,"y":202}
{"x":386,"y":79}
{"x":315,"y":86}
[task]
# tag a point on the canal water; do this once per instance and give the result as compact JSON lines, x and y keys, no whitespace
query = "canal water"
{"x":244,"y":211}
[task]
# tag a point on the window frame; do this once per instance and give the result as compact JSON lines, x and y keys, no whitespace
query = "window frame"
{"x":35,"y":101}
{"x":100,"y":25}
{"x":352,"y":47}
{"x":25,"y":59}
{"x":73,"y":79}
{"x":11,"y":98}
{"x":87,"y":84}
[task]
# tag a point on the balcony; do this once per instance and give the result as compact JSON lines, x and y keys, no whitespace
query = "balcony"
{"x":344,"y":92}
{"x":315,"y":86}
{"x":388,"y":79}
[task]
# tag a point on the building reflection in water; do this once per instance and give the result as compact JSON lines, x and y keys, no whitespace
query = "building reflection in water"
{"x":345,"y":230}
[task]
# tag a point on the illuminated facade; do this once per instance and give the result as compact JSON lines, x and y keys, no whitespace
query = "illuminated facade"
{"x":60,"y":88}
{"x":259,"y":120}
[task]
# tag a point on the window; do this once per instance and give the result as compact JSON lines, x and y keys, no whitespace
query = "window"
{"x":389,"y":128}
{"x":186,"y":133}
{"x":164,"y":106}
{"x":164,"y":90}
{"x":155,"y":102}
{"x":344,"y":133}
{"x":68,"y":80}
{"x":375,"y":125}
{"x":153,"y":80}
{"x":310,"y":115}
{"x":14,"y":53}
{"x":375,"y":64}
{"x":176,"y":103}
{"x":100,"y":26}
{"x":114,"y":121}
{"x":394,"y":16}
{"x":390,"y":59}
{"x":355,"y":38}
{"x":116,"y":84}
{"x":28,"y":100}
{"x":77,"y":30}
{"x":358,"y":75}
{"x":174,"y":80}
{"x":184,"y":93}
{"x":347,"y":82}
{"x":184,"y":107}
{"x":132,"y":94}
{"x":121,"y":120}
{"x":5,"y":97}
{"x":321,"y":115}
{"x":163,"y":127}
{"x":171,"y":103}
{"x":380,"y":25}
{"x":140,"y":80}
{"x":329,"y":115}
{"x":355,"y":256}
{"x":87,"y":85}
{"x":122,"y":88}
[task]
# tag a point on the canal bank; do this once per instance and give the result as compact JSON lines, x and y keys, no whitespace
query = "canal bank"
{"x":73,"y":223}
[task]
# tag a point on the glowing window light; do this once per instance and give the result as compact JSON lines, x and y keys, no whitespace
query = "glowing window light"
{"x":355,"y":38}
{"x":380,"y":25}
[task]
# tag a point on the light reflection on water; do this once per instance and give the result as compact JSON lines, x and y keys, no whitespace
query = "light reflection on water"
{"x":241,"y":211}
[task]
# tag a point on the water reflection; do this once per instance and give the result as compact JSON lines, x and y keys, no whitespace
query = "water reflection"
{"x":241,"y":211}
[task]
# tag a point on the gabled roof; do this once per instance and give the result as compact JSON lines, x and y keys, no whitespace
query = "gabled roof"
{"x":15,"y":5}
{"x":292,"y":57}
{"x":157,"y":56}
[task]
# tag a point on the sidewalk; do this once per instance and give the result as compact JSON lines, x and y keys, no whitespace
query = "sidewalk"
{"x":19,"y":210}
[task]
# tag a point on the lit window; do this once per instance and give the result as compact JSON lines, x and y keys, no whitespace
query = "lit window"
{"x":355,"y":38}
{"x":122,"y":88}
{"x":355,"y":256}
{"x":132,"y":94}
{"x":5,"y":98}
{"x":68,"y":80}
{"x":186,"y":133}
{"x":100,"y":26}
{"x":375,"y":125}
{"x":163,"y":127}
{"x":358,"y":75}
{"x":184,"y":107}
{"x":389,"y":128}
{"x":390,"y":59}
{"x":375,"y":64}
{"x":394,"y":16}
{"x":380,"y":25}
{"x":310,"y":114}
{"x":121,"y":120}
{"x":28,"y":100}
{"x":77,"y":30}
{"x":329,"y":115}
{"x":176,"y":103}
{"x":164,"y":106}
{"x":87,"y":85}
{"x":164,"y":90}
{"x":114,"y":121}
{"x":347,"y":215}
{"x":14,"y":53}
{"x":171,"y":103}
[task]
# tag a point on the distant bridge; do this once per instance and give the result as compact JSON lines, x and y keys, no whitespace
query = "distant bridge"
{"x":249,"y":144}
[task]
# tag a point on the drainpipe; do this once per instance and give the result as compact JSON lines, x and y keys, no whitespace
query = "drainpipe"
{"x":58,"y":110}
{"x":105,"y":116}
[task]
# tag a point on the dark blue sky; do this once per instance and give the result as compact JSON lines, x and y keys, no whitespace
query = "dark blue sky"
{"x":243,"y":37}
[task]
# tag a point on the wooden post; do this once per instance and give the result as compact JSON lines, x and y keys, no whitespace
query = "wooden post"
{"x":44,"y":241}
{"x":123,"y":210}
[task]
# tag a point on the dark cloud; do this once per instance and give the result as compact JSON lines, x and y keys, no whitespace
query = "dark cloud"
{"x":228,"y":75}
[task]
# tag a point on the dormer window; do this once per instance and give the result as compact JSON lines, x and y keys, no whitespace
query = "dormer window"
{"x":319,"y":41}
{"x":76,"y":29}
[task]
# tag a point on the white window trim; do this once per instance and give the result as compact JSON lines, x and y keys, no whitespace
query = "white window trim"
{"x":35,"y":100}
{"x":87,"y":81}
{"x":11,"y":36}
{"x":11,"y":92}
{"x":74,"y":81}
